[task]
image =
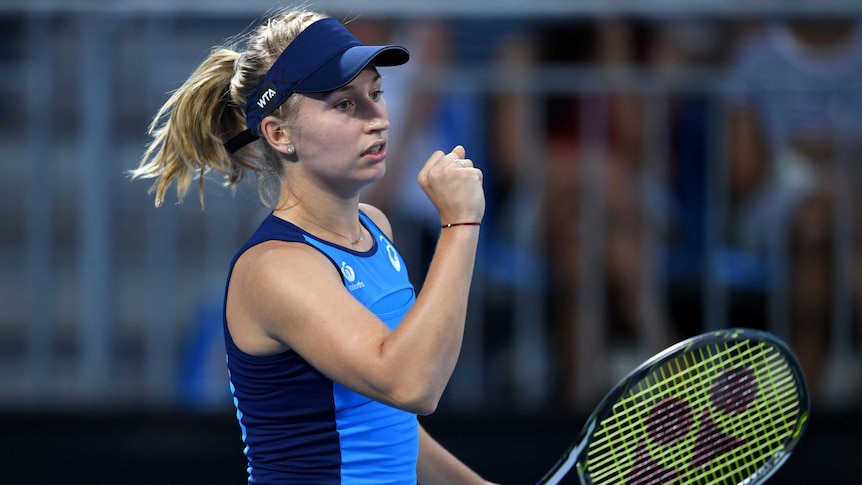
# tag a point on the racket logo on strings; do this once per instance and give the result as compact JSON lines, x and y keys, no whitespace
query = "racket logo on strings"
{"x":672,"y":421}
{"x":726,"y":407}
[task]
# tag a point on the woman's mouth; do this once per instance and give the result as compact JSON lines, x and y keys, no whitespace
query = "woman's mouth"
{"x":377,"y":152}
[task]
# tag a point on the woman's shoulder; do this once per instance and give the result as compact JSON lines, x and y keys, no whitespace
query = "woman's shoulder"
{"x":378,"y":218}
{"x":275,"y":256}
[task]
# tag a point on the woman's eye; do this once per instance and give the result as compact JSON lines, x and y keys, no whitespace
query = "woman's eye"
{"x":344,"y":105}
{"x":376,"y":95}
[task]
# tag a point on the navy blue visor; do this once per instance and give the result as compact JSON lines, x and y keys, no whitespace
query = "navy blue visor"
{"x":325,"y":56}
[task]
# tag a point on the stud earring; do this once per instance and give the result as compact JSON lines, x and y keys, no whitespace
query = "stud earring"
{"x":290,"y":149}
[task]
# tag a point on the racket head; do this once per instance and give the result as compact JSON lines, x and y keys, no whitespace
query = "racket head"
{"x":724,"y":407}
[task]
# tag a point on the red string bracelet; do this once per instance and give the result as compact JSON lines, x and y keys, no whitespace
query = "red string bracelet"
{"x":447,"y":226}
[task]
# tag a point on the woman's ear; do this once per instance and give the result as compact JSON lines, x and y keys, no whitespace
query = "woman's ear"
{"x":276,"y":135}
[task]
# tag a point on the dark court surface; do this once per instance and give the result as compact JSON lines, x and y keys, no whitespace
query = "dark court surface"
{"x":153,"y":449}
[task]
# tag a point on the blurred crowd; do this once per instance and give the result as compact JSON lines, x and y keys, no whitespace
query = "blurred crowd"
{"x":648,"y":178}
{"x":677,"y":163}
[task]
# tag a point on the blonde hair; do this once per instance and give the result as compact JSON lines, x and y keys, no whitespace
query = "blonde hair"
{"x":190,"y":129}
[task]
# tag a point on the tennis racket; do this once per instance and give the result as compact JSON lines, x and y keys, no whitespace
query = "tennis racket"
{"x":725,"y":407}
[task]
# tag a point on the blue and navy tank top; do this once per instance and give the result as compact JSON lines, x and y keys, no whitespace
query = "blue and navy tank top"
{"x":298,"y":426}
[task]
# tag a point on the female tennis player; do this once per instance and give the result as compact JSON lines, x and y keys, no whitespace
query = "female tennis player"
{"x":331,"y":355}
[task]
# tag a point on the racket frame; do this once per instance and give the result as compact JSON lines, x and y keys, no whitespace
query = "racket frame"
{"x":575,"y":456}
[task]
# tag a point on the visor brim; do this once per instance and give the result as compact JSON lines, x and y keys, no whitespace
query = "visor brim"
{"x":343,"y":68}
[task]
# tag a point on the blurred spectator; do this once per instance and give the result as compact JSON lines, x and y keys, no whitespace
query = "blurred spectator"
{"x":796,"y":129}
{"x":683,"y":53}
{"x":625,"y":147}
{"x":593,"y":147}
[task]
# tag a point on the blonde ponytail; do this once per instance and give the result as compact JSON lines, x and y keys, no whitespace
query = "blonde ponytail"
{"x":186,"y":130}
{"x":190,"y":129}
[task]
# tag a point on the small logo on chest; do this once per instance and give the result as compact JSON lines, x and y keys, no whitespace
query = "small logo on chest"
{"x":394,"y":260}
{"x":350,"y":276}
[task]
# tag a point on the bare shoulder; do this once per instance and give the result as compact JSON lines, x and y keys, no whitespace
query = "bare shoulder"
{"x":261,"y":259}
{"x":273,"y":287}
{"x":378,"y":217}
{"x":277,"y":266}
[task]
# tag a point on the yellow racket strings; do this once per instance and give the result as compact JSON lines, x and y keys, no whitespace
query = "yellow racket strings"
{"x":736,"y":443}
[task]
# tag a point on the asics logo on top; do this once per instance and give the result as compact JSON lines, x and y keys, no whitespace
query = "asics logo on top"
{"x":393,"y":255}
{"x":348,"y":272}
{"x":350,"y":276}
